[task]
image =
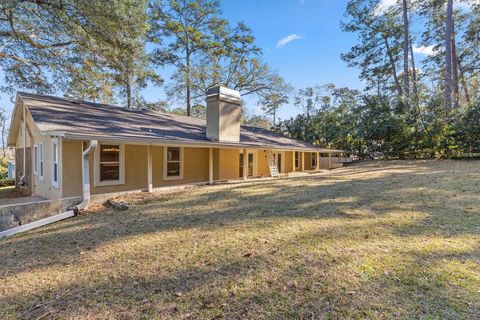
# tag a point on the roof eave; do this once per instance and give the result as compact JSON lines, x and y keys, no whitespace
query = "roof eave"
{"x":159,"y":141}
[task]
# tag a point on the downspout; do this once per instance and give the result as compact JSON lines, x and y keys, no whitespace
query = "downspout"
{"x":86,"y":176}
{"x":24,"y":173}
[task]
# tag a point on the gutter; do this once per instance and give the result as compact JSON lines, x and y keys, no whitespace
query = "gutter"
{"x":199,"y":144}
{"x":86,"y":177}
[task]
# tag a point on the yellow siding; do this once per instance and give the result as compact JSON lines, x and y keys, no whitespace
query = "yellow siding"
{"x":289,"y":161}
{"x":307,"y":160}
{"x":263,"y":168}
{"x":226,"y":164}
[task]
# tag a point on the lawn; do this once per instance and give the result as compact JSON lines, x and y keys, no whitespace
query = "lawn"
{"x":379,"y":240}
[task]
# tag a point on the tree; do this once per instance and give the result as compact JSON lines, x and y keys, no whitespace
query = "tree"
{"x":406,"y":45}
{"x":307,"y":99}
{"x":272,"y":103}
{"x":4,"y":127}
{"x":235,"y":64}
{"x":190,"y":26}
{"x":448,"y":56}
{"x":75,"y":46}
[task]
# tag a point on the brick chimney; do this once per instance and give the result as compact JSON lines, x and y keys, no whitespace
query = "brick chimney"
{"x":224,"y":109}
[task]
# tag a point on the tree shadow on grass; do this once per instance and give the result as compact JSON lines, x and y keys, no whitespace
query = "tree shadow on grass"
{"x":256,"y":205}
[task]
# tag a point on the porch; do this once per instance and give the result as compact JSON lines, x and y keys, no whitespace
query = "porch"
{"x":117,"y":167}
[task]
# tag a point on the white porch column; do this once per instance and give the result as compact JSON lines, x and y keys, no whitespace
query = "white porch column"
{"x":210,"y":166}
{"x":318,"y":160}
{"x":303,"y":160}
{"x":245,"y":164}
{"x":149,"y":170}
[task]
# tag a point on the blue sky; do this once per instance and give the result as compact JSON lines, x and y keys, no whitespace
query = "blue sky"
{"x":313,"y":55}
{"x":314,"y":58}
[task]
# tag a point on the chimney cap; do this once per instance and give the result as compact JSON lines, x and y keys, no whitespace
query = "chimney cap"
{"x":223,"y":92}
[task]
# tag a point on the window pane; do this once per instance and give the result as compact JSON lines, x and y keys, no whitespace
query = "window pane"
{"x":250,"y":165}
{"x":240,"y":172}
{"x":173,"y":154}
{"x":173,"y":169}
{"x":55,"y":172}
{"x":109,"y":153}
{"x":54,"y":152}
{"x":109,"y":172}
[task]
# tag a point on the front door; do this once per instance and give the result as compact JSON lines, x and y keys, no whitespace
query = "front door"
{"x":250,"y":165}
{"x":277,"y":158}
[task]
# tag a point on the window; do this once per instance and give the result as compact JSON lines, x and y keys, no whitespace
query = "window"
{"x":314,"y":159}
{"x":41,"y":160}
{"x":173,"y":163}
{"x":55,"y":163}
{"x":109,"y":162}
{"x":35,"y":159}
{"x":109,"y":165}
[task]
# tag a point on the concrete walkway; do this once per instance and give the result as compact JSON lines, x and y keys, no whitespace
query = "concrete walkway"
{"x":20,"y":200}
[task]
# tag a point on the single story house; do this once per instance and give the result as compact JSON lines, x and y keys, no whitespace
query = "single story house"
{"x":70,"y":148}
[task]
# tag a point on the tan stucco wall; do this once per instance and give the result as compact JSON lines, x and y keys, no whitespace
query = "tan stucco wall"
{"x":41,"y":187}
{"x":263,"y":168}
{"x":195,"y":167}
{"x":226,"y":164}
{"x":289,"y":161}
{"x":136,"y":169}
{"x":307,"y":160}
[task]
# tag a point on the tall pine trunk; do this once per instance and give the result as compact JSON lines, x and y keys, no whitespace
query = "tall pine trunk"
{"x":448,"y":56}
{"x":414,"y":77}
{"x":464,"y":82}
{"x":394,"y":68}
{"x":188,"y":81}
{"x":455,"y":82}
{"x":406,"y":37}
{"x":129,"y":93}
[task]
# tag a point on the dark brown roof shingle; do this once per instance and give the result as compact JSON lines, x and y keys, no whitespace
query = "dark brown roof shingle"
{"x":90,"y":119}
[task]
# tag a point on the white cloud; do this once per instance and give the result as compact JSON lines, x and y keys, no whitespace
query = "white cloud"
{"x":384,"y":5}
{"x":425,"y":50}
{"x":284,"y":41}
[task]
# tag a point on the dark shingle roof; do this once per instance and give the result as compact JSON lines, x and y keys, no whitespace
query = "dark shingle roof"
{"x":83,"y":118}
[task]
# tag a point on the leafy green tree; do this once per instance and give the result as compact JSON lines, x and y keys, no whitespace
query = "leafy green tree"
{"x":188,"y":28}
{"x":75,"y":46}
{"x":271,"y":103}
{"x":380,"y":44}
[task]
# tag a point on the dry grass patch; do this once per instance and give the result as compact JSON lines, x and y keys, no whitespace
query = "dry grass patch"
{"x":378,"y":240}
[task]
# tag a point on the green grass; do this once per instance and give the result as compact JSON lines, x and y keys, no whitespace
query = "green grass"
{"x":380,"y":240}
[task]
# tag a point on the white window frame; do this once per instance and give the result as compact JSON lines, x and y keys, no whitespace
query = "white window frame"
{"x":35,"y":159}
{"x":55,"y":154}
{"x":297,"y":159}
{"x":165,"y":152}
{"x":41,"y":162}
{"x":96,"y":170}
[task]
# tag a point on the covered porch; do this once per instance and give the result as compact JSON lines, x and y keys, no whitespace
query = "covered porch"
{"x":119,"y":167}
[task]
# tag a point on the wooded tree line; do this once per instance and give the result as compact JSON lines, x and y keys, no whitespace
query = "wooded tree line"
{"x":409,"y":108}
{"x":110,"y":50}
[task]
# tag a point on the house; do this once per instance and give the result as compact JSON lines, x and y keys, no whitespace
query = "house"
{"x":68,"y":148}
